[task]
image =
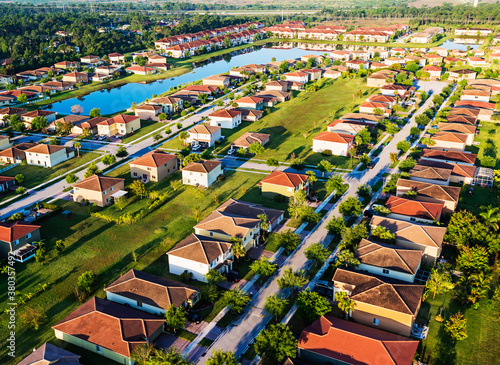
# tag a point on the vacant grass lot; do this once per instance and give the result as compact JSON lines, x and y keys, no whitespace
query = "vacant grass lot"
{"x":294,"y":123}
{"x":147,"y":126}
{"x":35,"y":175}
{"x":483,"y":330}
{"x":489,"y":138}
{"x":107,"y":249}
{"x":481,"y":196}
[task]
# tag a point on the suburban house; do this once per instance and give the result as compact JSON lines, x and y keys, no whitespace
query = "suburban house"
{"x":8,"y":111}
{"x":116,"y":57}
{"x":251,"y":137}
{"x":388,"y":260}
{"x":464,"y":119}
{"x":150,"y":293}
{"x":460,"y":173}
{"x":217,"y":80}
{"x":459,"y":128}
{"x":475,"y":95}
{"x":428,"y":239}
{"x":402,"y":91}
{"x":361,"y":117}
{"x":250,"y":115}
{"x":50,"y":354}
{"x":17,"y":236}
{"x":153,"y":166}
{"x":109,"y":329}
{"x":91,"y":60}
{"x":345,"y":127}
{"x":6,"y":182}
{"x":170,"y":104}
{"x":48,"y":155}
{"x":76,"y":77}
{"x":414,"y":210}
{"x":278,"y":85}
{"x":121,"y":124}
{"x":330,"y":73}
{"x":203,"y":173}
{"x":297,"y":76}
{"x":386,"y":99}
{"x":339,"y":144}
{"x":283,"y":183}
{"x":205,"y":135}
{"x":5,"y":143}
{"x":148,"y":112}
{"x":66,"y":65}
{"x":98,"y":189}
{"x":27,"y":118}
{"x":432,"y":193}
{"x":433,"y":59}
{"x":425,"y":35}
{"x":459,"y":75}
{"x":15,"y":154}
{"x":330,"y":340}
{"x":420,"y":61}
{"x":239,"y":219}
{"x":358,"y":65}
{"x":433,"y":71}
{"x":371,"y":107}
{"x":394,"y":61}
{"x":449,"y":141}
{"x":198,"y":255}
{"x":250,"y":102}
{"x":453,"y":157}
{"x":69,"y":120}
{"x":431,"y":175}
{"x":141,"y":70}
{"x":388,"y":304}
{"x":478,"y":32}
{"x":380,"y":78}
{"x":88,"y":126}
{"x":477,"y":61}
{"x":340,"y":55}
{"x":225,"y":118}
{"x":475,"y":104}
{"x":280,"y":96}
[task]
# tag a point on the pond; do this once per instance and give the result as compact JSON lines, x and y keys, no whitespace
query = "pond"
{"x":120,"y":98}
{"x":460,"y":44}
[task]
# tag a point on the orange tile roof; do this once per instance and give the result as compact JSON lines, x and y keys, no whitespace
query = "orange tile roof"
{"x":154,"y":159}
{"x":225,"y":113}
{"x":46,"y":149}
{"x":414,"y":208}
{"x":9,"y":232}
{"x":353,"y":343}
{"x":287,"y":179}
{"x":450,"y":155}
{"x":450,"y":137}
{"x":98,"y":183}
{"x":249,"y":100}
{"x":334,"y":137}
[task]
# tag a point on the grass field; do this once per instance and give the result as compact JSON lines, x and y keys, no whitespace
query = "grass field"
{"x":106,"y":248}
{"x":35,"y":175}
{"x":293,"y":124}
{"x":147,"y":126}
{"x":483,"y":330}
{"x":489,"y":139}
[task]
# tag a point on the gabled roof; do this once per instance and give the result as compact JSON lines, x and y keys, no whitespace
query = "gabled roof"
{"x":362,"y":116}
{"x":48,"y":354}
{"x":203,"y":166}
{"x":388,"y":257}
{"x":225,"y":113}
{"x":457,"y":128}
{"x":17,"y":150}
{"x":353,"y":343}
{"x":450,"y":137}
{"x":123,"y":119}
{"x":428,"y":172}
{"x":110,"y":325}
{"x":381,"y":292}
{"x":475,"y":104}
{"x":434,"y":191}
{"x":37,"y":113}
{"x":167,"y":100}
{"x":431,"y":236}
{"x":46,"y":149}
{"x":456,"y":169}
{"x":150,"y":289}
{"x":200,"y":249}
{"x":154,"y":159}
{"x":204,"y":129}
{"x":287,"y":179}
{"x":461,"y":119}
{"x":9,"y":232}
{"x":98,"y":183}
{"x":335,"y":137}
{"x":251,"y":137}
{"x":450,"y":156}
{"x":10,"y":110}
{"x":249,"y":100}
{"x":414,"y":208}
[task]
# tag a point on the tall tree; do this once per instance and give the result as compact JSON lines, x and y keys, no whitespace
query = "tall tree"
{"x":175,"y":318}
{"x":440,"y":281}
{"x":317,"y":253}
{"x":276,"y":343}
{"x":237,"y":247}
{"x":275,"y":305}
{"x":235,"y":299}
{"x":311,"y":305}
{"x":344,"y":303}
{"x":221,"y":357}
{"x":293,"y":280}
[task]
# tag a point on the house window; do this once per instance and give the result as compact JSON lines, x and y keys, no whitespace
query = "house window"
{"x":375,"y":321}
{"x":139,"y":304}
{"x":28,"y":236}
{"x":135,"y":173}
{"x":153,"y":177}
{"x":412,"y":219}
{"x":111,"y":189}
{"x":211,"y":234}
{"x":16,"y":242}
{"x":385,"y":271}
{"x":104,"y":192}
{"x":107,"y":200}
{"x":98,"y":349}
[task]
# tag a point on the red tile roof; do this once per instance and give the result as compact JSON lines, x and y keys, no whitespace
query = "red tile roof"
{"x":334,"y":137}
{"x":287,"y":179}
{"x":353,"y":343}
{"x":226,"y":113}
{"x":414,"y":208}
{"x":249,"y":100}
{"x":154,"y":159}
{"x":9,"y":232}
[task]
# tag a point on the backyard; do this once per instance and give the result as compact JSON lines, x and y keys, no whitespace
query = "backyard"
{"x":35,"y":175}
{"x":109,"y":249}
{"x":489,"y":139}
{"x":294,"y":123}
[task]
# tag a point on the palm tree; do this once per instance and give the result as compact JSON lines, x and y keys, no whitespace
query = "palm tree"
{"x":312,"y":178}
{"x":237,"y":247}
{"x":264,"y":223}
{"x":335,"y":183}
{"x":77,"y":145}
{"x":183,"y":136}
{"x":491,"y":216}
{"x":344,"y":303}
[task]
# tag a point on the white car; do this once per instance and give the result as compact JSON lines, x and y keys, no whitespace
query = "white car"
{"x":231,"y":151}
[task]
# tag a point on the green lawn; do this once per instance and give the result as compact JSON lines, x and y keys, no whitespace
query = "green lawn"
{"x":106,"y":249}
{"x":147,"y":126}
{"x":481,"y":196}
{"x":35,"y":175}
{"x":489,"y":138}
{"x":483,"y":330}
{"x":293,"y":124}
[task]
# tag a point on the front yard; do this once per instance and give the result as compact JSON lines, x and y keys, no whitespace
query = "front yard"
{"x":36,"y":175}
{"x":293,"y":124}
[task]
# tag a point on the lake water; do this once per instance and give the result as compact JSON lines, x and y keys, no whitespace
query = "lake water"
{"x":120,"y":98}
{"x":449,"y":44}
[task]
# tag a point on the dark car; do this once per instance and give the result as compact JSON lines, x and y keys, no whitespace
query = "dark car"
{"x":194,"y":318}
{"x":312,"y":198}
{"x":368,"y":213}
{"x":325,"y":292}
{"x":370,"y":165}
{"x":233,"y":276}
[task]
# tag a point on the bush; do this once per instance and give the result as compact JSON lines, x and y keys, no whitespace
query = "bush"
{"x":21,"y":190}
{"x":326,"y":153}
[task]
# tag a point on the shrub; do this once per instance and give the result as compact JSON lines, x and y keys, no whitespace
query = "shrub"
{"x":326,"y":153}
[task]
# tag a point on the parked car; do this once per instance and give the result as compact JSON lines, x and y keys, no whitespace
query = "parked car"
{"x":325,"y":292}
{"x":312,"y":198}
{"x":231,"y":151}
{"x":369,"y":213}
{"x":233,"y":276}
{"x":194,"y":318}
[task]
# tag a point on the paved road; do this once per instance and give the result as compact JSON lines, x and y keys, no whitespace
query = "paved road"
{"x":254,"y":318}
